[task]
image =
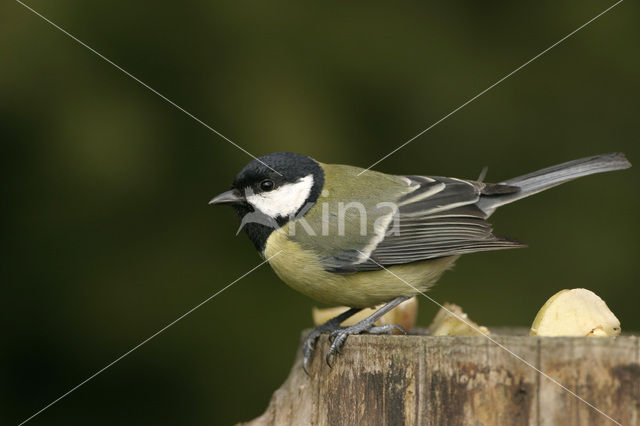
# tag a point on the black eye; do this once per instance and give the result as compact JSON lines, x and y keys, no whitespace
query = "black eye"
{"x":266,"y":185}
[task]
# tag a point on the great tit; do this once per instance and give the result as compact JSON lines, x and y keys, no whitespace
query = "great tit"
{"x":343,"y":235}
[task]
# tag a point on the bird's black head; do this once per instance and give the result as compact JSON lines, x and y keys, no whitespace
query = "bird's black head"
{"x":271,"y":190}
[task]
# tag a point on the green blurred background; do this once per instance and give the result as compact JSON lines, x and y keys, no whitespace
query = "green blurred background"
{"x":107,"y":235}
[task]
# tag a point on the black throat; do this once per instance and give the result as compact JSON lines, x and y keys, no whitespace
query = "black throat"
{"x":292,"y":168}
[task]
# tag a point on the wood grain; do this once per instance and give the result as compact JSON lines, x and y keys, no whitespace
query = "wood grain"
{"x":426,"y":380}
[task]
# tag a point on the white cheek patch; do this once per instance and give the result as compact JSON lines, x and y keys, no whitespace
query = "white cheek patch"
{"x":283,"y":201}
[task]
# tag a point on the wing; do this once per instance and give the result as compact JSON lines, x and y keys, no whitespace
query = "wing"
{"x":438,"y":218}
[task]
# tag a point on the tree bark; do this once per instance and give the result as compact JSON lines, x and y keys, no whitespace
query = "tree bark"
{"x":426,"y":380}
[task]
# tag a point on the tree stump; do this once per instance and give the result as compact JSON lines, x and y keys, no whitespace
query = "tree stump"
{"x":426,"y":380}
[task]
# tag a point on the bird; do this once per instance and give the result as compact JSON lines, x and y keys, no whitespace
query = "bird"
{"x":344,"y":235}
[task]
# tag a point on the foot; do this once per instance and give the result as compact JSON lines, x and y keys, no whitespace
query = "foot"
{"x":339,"y":334}
{"x":330,"y":326}
{"x":339,"y":337}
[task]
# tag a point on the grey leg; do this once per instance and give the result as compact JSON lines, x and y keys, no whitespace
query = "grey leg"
{"x":330,"y":326}
{"x":339,"y":336}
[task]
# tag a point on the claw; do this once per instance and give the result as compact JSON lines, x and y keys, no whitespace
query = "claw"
{"x":334,"y":349}
{"x":327,"y":359}
{"x":308,"y":347}
{"x":339,"y":338}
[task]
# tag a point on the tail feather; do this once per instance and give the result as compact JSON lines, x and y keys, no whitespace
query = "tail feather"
{"x":540,"y":180}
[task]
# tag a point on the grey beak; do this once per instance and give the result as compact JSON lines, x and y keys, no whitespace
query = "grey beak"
{"x":230,"y":197}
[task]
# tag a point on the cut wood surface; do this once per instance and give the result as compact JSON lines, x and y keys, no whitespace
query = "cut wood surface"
{"x":426,"y":380}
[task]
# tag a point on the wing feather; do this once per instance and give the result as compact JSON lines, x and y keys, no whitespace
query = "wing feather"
{"x":439,"y":218}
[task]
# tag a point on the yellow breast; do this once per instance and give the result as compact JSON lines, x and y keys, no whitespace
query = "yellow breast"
{"x":302,"y":271}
